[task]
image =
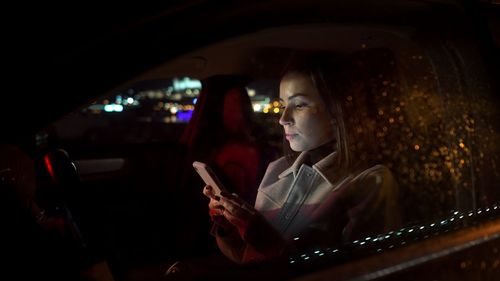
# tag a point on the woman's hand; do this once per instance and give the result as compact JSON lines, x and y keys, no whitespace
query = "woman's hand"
{"x":233,"y":213}
{"x":216,"y":209}
{"x":230,"y":209}
{"x":239,"y":213}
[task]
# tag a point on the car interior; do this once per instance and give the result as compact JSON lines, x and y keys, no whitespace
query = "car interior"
{"x":109,"y":184}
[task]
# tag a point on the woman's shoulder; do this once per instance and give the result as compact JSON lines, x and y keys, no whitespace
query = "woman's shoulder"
{"x":377,"y":170}
{"x":278,"y":166}
{"x":274,"y":169}
{"x":378,"y":175}
{"x":369,"y":175}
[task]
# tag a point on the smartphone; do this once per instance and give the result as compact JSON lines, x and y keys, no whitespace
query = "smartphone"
{"x":209,"y":177}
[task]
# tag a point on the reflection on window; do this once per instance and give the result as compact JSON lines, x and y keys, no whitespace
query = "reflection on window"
{"x":169,"y":101}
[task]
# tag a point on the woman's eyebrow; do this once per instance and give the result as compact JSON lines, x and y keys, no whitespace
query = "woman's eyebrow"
{"x":295,"y":95}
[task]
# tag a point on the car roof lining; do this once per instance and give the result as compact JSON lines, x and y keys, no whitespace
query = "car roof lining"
{"x":259,"y":53}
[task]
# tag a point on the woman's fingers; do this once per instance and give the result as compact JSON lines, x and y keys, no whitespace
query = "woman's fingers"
{"x":216,"y":212}
{"x":214,"y":204}
{"x":208,"y":191}
{"x":241,"y":204}
{"x":235,"y":220}
{"x":237,"y":208}
{"x":229,"y":208}
{"x":229,"y":205}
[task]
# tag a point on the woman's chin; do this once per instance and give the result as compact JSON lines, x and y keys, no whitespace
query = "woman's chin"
{"x":297,"y":148}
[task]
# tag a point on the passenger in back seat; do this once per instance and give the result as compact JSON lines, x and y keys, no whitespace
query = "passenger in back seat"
{"x":223,"y":133}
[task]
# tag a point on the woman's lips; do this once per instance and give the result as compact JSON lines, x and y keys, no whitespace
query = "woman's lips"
{"x":290,"y":136}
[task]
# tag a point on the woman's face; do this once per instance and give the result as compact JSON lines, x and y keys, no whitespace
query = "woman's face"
{"x":304,"y":118}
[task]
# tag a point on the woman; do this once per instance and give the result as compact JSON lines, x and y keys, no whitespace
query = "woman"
{"x":325,"y":190}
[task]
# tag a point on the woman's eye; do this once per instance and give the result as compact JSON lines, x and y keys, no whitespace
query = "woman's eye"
{"x":300,"y":105}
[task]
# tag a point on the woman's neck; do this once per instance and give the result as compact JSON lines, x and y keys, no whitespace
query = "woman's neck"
{"x":315,"y":155}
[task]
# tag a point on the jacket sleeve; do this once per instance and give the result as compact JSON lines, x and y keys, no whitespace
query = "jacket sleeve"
{"x":260,"y":242}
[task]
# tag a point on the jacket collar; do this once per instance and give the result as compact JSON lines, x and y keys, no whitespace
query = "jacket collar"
{"x":326,"y":167}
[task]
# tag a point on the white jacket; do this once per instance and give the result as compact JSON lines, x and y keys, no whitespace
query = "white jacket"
{"x":327,"y":205}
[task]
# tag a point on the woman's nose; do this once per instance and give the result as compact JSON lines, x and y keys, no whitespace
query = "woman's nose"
{"x":285,"y":118}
